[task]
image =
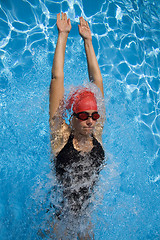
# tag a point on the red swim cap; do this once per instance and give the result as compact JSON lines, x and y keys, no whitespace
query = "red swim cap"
{"x":82,"y":100}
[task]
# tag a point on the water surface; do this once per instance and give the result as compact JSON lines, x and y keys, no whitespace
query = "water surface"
{"x":126,"y":40}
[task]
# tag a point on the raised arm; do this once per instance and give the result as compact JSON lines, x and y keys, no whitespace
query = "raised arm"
{"x":93,"y":67}
{"x":57,"y":82}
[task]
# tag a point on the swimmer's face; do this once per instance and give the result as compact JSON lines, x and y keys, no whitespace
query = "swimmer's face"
{"x":85,"y":127}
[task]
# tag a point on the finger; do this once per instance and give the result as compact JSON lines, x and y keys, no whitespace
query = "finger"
{"x":58,"y":17}
{"x":81,"y":20}
{"x":69,"y":21}
{"x":62,"y":16}
{"x":65,"y":16}
{"x":87,"y":24}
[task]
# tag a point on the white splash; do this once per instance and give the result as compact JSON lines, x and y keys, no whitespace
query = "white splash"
{"x":119,"y":14}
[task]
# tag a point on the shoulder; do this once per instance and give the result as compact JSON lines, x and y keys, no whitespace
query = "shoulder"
{"x":60,"y":132}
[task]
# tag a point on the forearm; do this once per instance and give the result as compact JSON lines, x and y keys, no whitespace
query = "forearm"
{"x":58,"y":61}
{"x":57,"y":82}
{"x":93,"y":67}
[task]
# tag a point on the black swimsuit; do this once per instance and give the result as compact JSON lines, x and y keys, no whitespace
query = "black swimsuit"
{"x":78,"y":173}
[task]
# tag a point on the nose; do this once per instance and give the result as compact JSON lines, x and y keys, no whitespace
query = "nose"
{"x":89,"y":121}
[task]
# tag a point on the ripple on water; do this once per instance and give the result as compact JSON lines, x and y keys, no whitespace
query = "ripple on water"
{"x":16,"y":44}
{"x":3,"y":15}
{"x":132,"y":79}
{"x":5,"y":33}
{"x":126,"y":24}
{"x":78,"y":10}
{"x":123,"y":68}
{"x":139,"y":30}
{"x":50,"y":5}
{"x":20,"y":26}
{"x":91,"y":7}
{"x":132,"y":50}
{"x":23,"y":7}
{"x":148,"y":118}
{"x":112,"y":10}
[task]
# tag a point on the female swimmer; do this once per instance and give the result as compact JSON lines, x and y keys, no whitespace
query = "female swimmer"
{"x":77,"y":147}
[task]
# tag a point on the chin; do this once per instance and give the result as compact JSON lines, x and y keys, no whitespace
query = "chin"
{"x":87,"y":132}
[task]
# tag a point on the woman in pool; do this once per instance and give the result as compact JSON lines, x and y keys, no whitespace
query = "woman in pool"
{"x":77,"y":147}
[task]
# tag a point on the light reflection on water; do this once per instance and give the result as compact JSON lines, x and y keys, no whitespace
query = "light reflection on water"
{"x":126,"y":42}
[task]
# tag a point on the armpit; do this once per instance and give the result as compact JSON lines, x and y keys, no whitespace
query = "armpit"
{"x":60,"y":132}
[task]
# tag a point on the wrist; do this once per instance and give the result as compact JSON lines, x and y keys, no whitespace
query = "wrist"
{"x":88,"y":41}
{"x":63,"y":34}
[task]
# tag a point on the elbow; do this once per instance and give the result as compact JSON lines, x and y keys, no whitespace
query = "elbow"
{"x":57,"y":75}
{"x":57,"y":79}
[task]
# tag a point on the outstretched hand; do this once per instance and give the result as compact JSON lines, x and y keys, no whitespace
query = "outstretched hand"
{"x":84,"y":29}
{"x":63,"y":24}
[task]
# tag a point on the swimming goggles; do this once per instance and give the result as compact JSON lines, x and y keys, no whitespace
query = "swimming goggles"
{"x":85,"y":115}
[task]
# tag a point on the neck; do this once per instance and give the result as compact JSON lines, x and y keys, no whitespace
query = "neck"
{"x":80,"y":137}
{"x":82,"y":143}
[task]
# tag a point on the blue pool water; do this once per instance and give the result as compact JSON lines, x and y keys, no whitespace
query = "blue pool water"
{"x":126,"y":38}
